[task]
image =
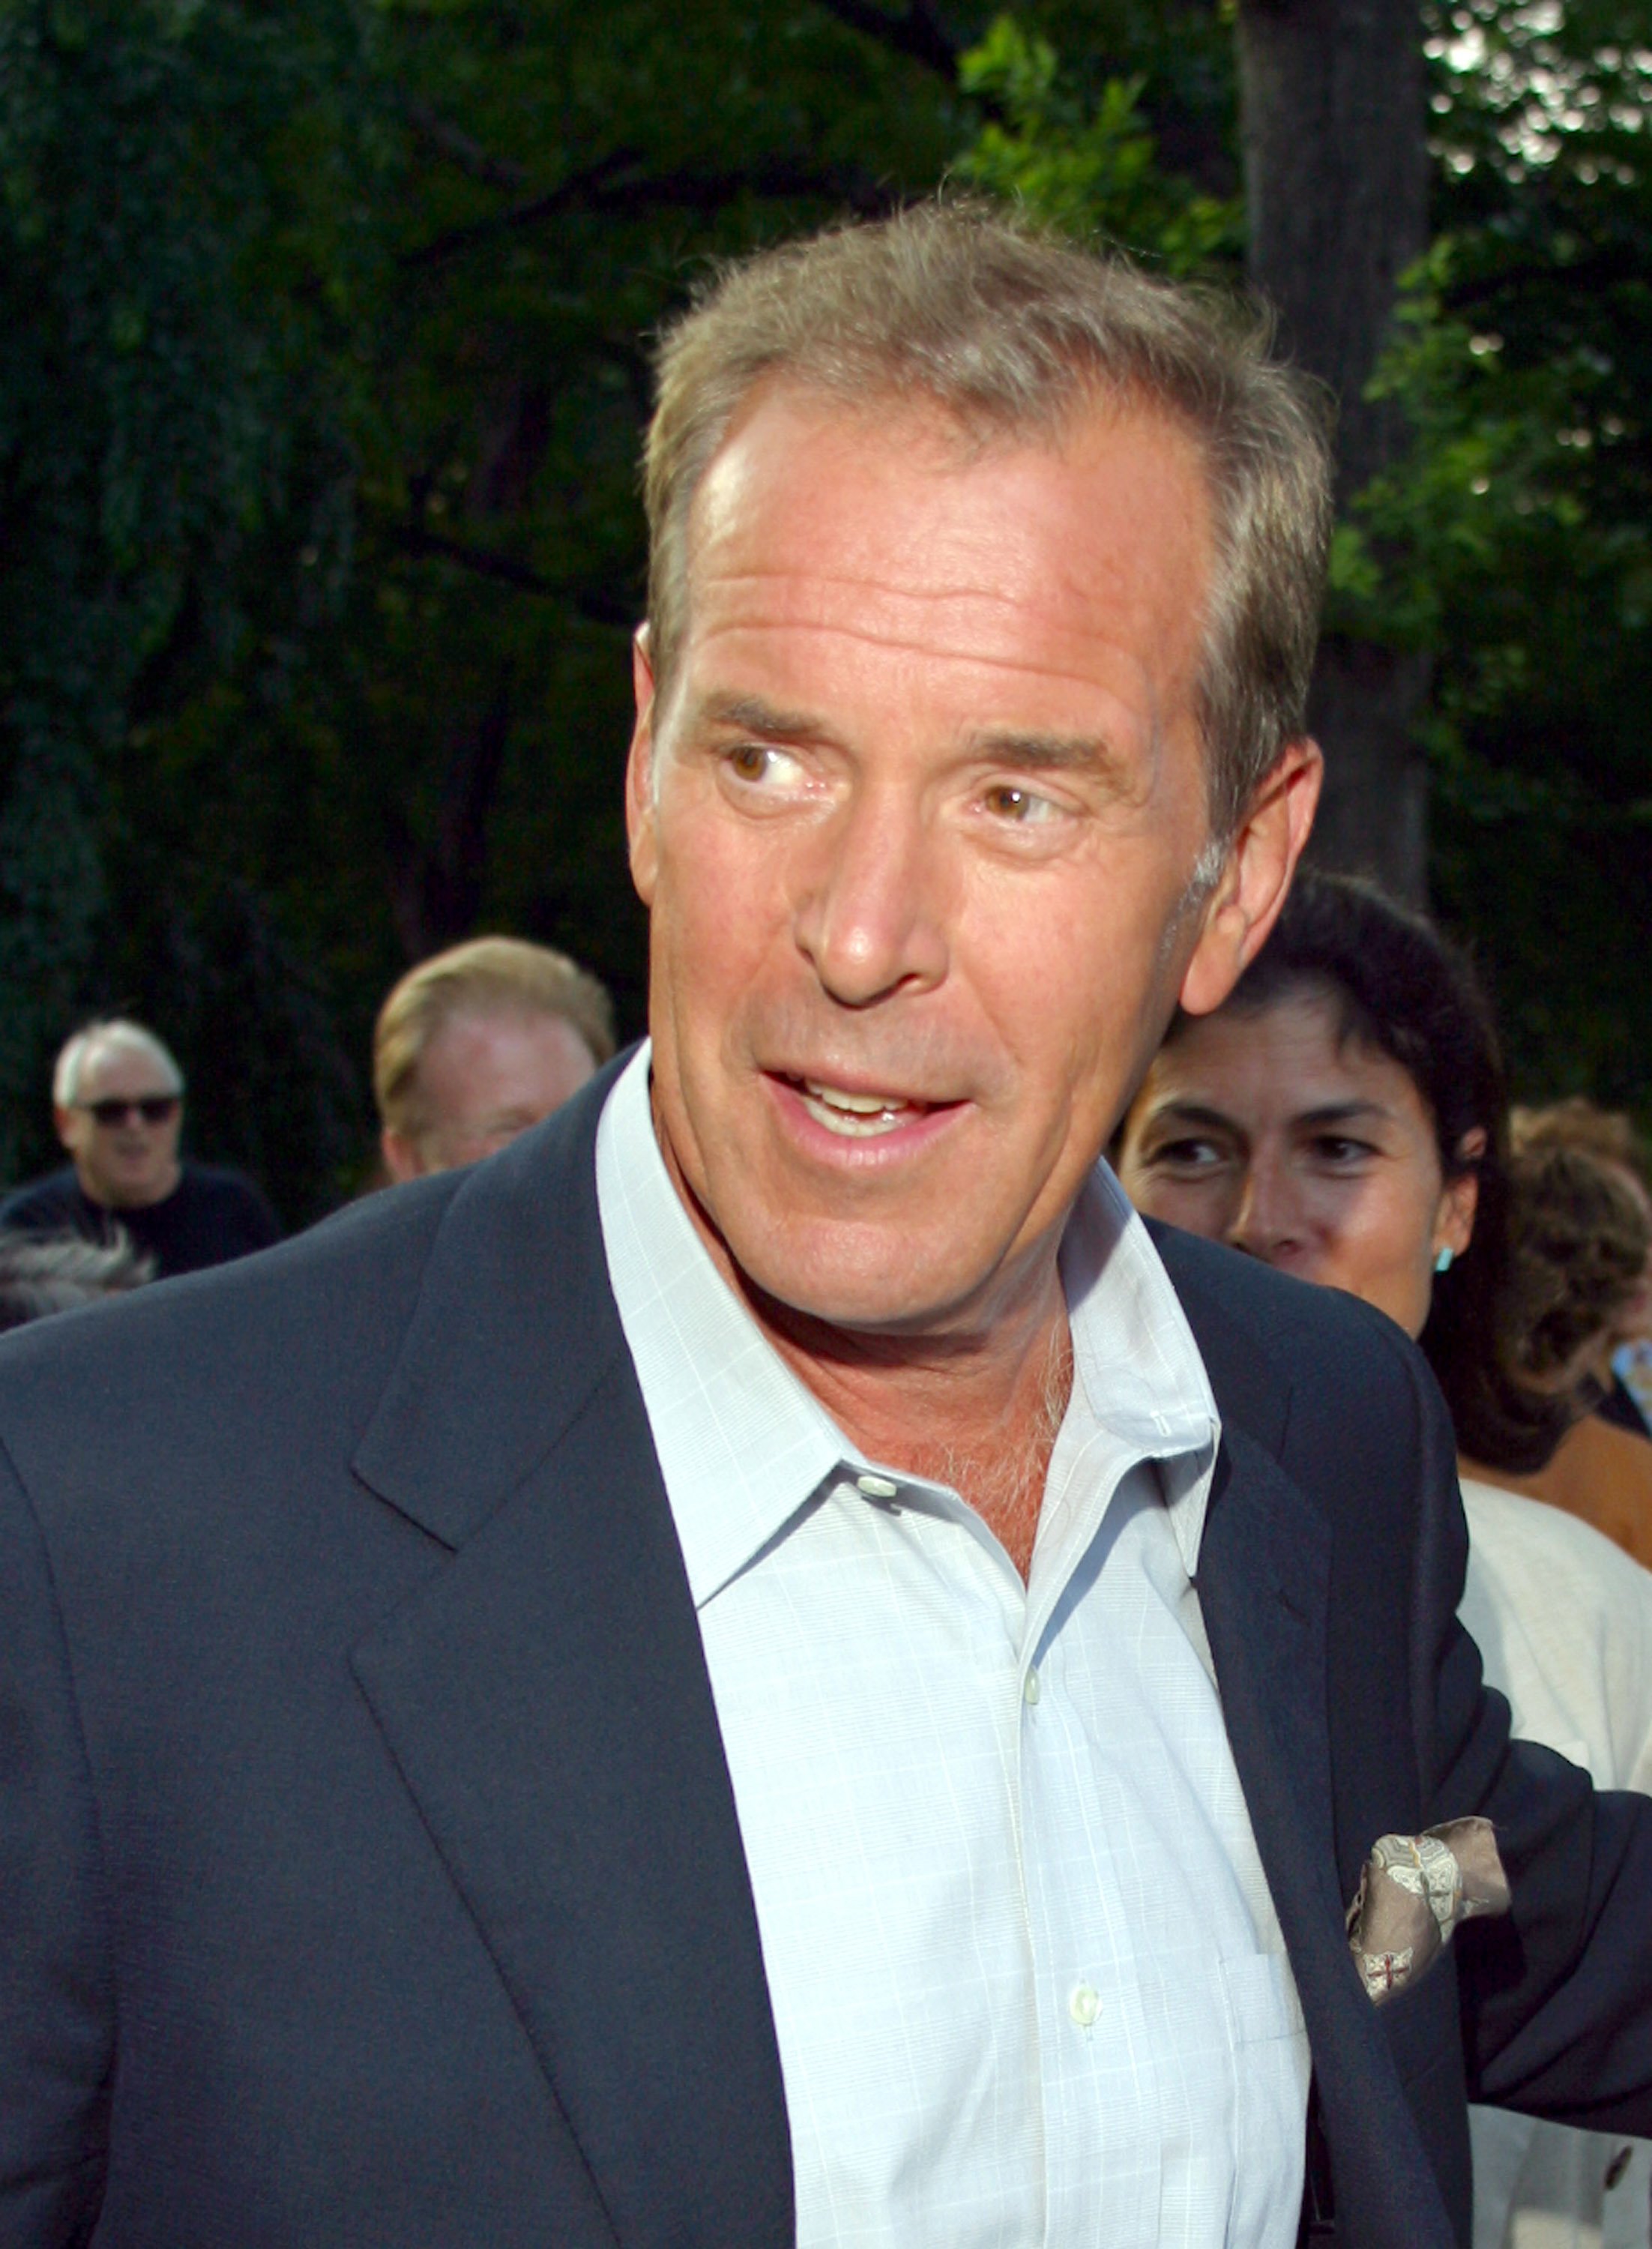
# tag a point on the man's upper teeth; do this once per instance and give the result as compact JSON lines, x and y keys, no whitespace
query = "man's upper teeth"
{"x":862,"y":1104}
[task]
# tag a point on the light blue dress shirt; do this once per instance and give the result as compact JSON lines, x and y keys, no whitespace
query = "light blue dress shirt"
{"x":1027,"y":1981}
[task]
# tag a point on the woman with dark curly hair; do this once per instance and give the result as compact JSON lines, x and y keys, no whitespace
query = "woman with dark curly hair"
{"x":1343,"y":1115}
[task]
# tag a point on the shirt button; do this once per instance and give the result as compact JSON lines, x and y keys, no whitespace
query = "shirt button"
{"x":1085,"y":2006}
{"x":877,"y":1487}
{"x":1029,"y":1687}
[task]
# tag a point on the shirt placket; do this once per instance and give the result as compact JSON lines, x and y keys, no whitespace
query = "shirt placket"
{"x":1077,"y":1992}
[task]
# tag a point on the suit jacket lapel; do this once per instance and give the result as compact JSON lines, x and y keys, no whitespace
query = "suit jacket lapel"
{"x":1264,"y":1584}
{"x":547,"y":1700}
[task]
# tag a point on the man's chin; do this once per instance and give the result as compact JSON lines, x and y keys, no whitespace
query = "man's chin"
{"x":133,"y":1194}
{"x":896,"y":1293}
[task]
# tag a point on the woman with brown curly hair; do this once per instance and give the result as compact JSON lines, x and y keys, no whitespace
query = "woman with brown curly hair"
{"x":1580,"y":1238}
{"x":1610,"y":1136}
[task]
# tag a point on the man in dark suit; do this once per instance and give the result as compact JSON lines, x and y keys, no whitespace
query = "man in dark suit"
{"x":763,"y":1666}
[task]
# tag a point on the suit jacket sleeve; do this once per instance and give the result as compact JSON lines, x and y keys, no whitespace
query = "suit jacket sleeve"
{"x":1557,"y":1998}
{"x":56,"y":2015}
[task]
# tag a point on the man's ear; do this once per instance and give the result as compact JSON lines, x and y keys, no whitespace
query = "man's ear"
{"x":401,"y":1157}
{"x":638,"y":774}
{"x":1255,"y":876}
{"x":67,"y":1122}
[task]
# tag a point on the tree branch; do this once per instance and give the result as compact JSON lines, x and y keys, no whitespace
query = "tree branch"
{"x":918,"y":33}
{"x":458,"y":146}
{"x":605,"y":187}
{"x":598,"y":605}
{"x":578,"y":188}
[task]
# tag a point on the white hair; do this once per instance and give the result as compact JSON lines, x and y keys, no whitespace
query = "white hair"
{"x":99,"y":1038}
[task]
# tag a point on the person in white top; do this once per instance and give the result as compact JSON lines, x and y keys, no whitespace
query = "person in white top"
{"x":1342,"y":1117}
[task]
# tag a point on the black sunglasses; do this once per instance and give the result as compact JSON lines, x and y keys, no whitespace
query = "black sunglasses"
{"x":154,"y":1108}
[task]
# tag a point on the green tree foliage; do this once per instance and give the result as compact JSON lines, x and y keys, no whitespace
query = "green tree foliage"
{"x":1089,"y":165}
{"x":1514,"y":542}
{"x":323,"y":364}
{"x":175,"y":310}
{"x":1086,"y":165}
{"x":323,"y":371}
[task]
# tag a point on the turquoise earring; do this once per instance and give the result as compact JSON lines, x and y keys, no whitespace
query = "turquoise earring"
{"x":1444,"y":1260}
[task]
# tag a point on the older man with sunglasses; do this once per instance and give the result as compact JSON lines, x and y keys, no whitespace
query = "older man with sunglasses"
{"x":118,"y":1105}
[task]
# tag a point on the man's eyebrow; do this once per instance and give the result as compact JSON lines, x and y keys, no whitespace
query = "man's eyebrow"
{"x":1032,"y":752}
{"x":750,"y":714}
{"x":1046,"y":753}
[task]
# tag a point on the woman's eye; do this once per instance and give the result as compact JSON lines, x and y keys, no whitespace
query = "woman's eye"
{"x":1187,"y":1155}
{"x":1337,"y":1148}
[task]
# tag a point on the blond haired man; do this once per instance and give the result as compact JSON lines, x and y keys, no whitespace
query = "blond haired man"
{"x":477,"y":1043}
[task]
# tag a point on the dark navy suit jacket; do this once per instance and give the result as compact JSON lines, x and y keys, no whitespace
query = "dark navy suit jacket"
{"x":369,"y":1871}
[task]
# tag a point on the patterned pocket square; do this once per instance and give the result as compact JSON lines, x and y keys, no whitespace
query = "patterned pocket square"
{"x":1414,"y":1892}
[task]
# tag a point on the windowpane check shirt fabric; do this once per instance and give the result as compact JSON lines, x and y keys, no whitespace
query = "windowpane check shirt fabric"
{"x":1027,"y":1982}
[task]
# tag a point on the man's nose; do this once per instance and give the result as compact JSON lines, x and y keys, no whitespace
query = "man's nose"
{"x":871,"y":917}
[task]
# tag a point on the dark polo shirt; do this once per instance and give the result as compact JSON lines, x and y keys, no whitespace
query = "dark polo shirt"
{"x":209,"y":1217}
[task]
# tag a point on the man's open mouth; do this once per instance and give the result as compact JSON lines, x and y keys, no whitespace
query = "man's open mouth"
{"x":860,"y":1116}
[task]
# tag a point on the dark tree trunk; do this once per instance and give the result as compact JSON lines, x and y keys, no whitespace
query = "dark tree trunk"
{"x":1334,"y":107}
{"x":438,"y":880}
{"x":436,"y":886}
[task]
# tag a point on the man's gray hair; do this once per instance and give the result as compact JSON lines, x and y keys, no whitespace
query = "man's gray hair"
{"x":1013,"y":331}
{"x":97,"y":1038}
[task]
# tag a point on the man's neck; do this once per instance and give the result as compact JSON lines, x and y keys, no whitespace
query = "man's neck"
{"x":976,"y":1404}
{"x":979,"y":1412}
{"x":101,"y":1201}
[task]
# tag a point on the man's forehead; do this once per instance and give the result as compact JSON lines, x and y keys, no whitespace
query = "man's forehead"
{"x":124,"y":1061}
{"x":785,"y":428}
{"x":504,"y":1022}
{"x":1075,"y":564}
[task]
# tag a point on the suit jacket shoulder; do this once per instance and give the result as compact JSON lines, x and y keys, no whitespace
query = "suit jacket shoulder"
{"x":171,"y":1371}
{"x":491,"y":1277}
{"x":367,"y":1794}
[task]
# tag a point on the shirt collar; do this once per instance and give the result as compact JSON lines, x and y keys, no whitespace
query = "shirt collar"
{"x":1134,"y":1353}
{"x":743,"y":1444}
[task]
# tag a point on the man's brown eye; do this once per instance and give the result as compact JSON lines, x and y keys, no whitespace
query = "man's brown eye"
{"x":1017,"y":807}
{"x":749,"y":760}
